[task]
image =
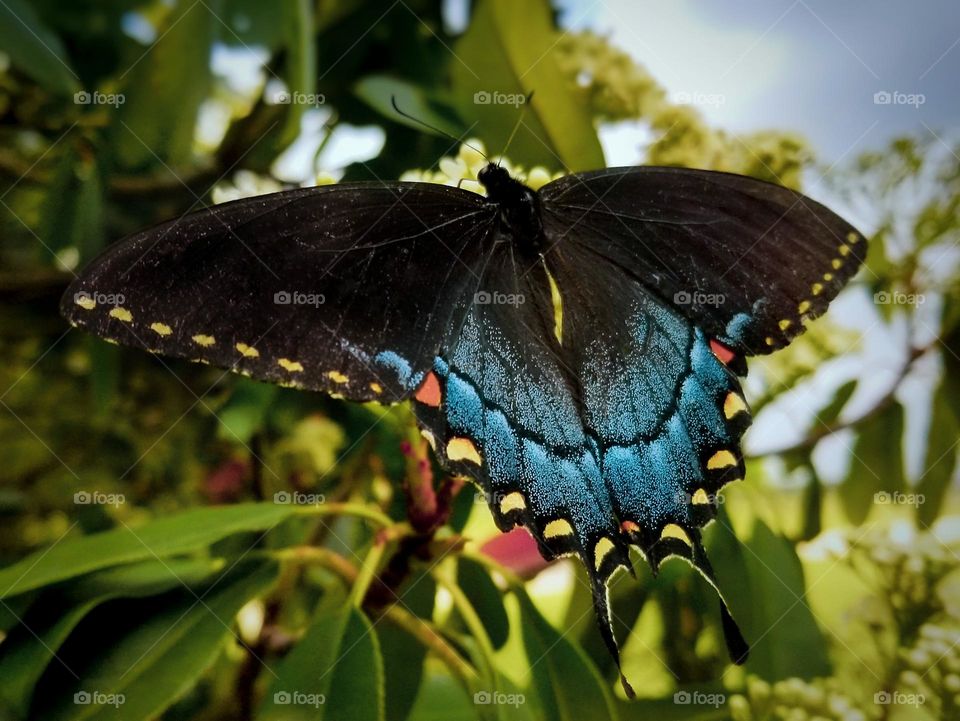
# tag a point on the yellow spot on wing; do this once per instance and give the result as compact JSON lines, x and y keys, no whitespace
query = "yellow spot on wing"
{"x":121,"y":314}
{"x":844,"y":250}
{"x":733,"y":404}
{"x":784,"y":324}
{"x":161,"y":328}
{"x":205,"y":340}
{"x":828,"y":277}
{"x":431,"y":439}
{"x":376,"y":388}
{"x":803,"y":307}
{"x":557,"y":528}
{"x":557,"y":306}
{"x":672,"y":530}
{"x":337,"y":377}
{"x":513,"y":502}
{"x":721,"y":459}
{"x":84,"y":301}
{"x":836,"y":263}
{"x":601,"y":550}
{"x":769,"y":341}
{"x":462,"y":449}
{"x":700,"y":498}
{"x":248,"y":351}
{"x":292,"y":366}
{"x":853,"y":237}
{"x":816,"y":289}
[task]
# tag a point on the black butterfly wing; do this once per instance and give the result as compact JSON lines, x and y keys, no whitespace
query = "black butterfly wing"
{"x":745,"y":260}
{"x":346,"y":289}
{"x":664,"y":414}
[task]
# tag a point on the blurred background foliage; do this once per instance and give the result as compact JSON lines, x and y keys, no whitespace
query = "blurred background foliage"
{"x":200,"y":543}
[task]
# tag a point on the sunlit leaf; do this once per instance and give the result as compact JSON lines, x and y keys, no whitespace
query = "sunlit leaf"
{"x":30,"y":647}
{"x":403,"y":657}
{"x":567,"y":684}
{"x":876,"y":468}
{"x":940,"y":462}
{"x":138,"y":667}
{"x":334,"y":672}
{"x":163,"y":91}
{"x":764,"y":584}
{"x":378,"y":92}
{"x":506,"y":52}
{"x":486,"y":598}
{"x":187,"y":531}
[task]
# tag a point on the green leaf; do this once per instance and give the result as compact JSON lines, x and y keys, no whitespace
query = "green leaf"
{"x":764,"y":584}
{"x":157,"y":659}
{"x":508,"y":50}
{"x":377,"y":91}
{"x":403,"y":657}
{"x":877,"y":464}
{"x":300,"y":63}
{"x":165,"y":88}
{"x":828,"y":416}
{"x":29,"y":648}
{"x":244,"y":414}
{"x":181,"y":533}
{"x":567,"y":684}
{"x":669,"y":710}
{"x":486,"y":598}
{"x":940,"y":463}
{"x":34,"y":49}
{"x":334,"y":672}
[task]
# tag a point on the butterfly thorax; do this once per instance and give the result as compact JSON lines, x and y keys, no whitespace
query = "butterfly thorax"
{"x":520,"y":215}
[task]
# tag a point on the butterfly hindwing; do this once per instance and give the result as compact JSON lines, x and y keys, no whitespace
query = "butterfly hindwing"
{"x":346,"y":289}
{"x":747,"y":261}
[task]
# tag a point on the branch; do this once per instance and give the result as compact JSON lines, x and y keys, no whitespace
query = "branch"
{"x":884,"y":402}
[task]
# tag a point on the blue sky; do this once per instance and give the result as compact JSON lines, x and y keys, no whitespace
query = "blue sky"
{"x":812,"y":66}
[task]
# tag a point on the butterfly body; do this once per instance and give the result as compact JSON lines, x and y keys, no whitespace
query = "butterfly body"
{"x":575,"y":350}
{"x":519,"y":205}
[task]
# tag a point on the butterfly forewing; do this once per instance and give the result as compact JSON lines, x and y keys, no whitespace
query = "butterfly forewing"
{"x":346,"y":289}
{"x":746,"y":260}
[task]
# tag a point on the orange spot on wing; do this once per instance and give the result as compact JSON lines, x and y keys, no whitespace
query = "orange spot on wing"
{"x":629,"y":527}
{"x":723,"y":354}
{"x":429,"y":391}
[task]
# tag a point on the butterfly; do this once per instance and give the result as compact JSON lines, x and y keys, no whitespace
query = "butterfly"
{"x":575,"y":350}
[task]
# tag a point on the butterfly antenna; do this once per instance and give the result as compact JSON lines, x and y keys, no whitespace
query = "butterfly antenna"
{"x":418,"y":121}
{"x":516,"y":126}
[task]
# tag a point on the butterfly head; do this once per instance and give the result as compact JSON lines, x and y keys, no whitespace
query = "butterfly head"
{"x":519,"y":205}
{"x":495,"y":179}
